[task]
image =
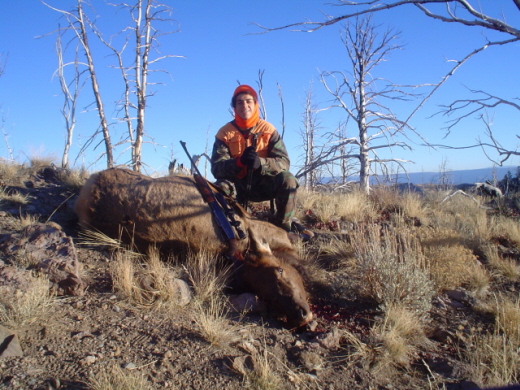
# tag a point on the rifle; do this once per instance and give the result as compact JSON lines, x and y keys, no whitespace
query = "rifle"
{"x":223,"y":213}
{"x":249,"y":175}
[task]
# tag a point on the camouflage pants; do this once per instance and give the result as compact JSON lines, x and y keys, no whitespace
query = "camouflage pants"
{"x":282,"y":188}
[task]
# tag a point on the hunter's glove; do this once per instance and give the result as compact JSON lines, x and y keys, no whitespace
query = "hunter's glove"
{"x":250,"y":158}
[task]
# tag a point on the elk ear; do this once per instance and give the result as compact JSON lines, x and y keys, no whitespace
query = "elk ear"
{"x":259,"y":247}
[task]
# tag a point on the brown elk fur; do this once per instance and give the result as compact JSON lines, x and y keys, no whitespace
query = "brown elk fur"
{"x":169,"y":212}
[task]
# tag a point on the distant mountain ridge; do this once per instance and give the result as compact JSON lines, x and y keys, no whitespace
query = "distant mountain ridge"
{"x":460,"y":176}
{"x":453,"y":177}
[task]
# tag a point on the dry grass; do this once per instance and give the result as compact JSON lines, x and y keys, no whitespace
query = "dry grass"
{"x":324,"y":206}
{"x":144,"y":281}
{"x":471,"y":221}
{"x":305,"y":200}
{"x":116,"y":378}
{"x":38,"y":162}
{"x":262,"y":377}
{"x":26,"y":220}
{"x":507,"y":268}
{"x":493,"y":359}
{"x":141,"y":280}
{"x":392,"y":345}
{"x":13,"y":196}
{"x":209,"y":309}
{"x":10,"y":172}
{"x":451,"y":263}
{"x":398,"y":337}
{"x":23,"y":307}
{"x":207,"y":274}
{"x":478,"y":281}
{"x":506,"y":228}
{"x":507,"y":318}
{"x":354,"y":207}
{"x":413,"y":206}
{"x":74,"y":178}
{"x":99,"y":239}
{"x":212,"y":321}
{"x":337,"y":253}
{"x":122,"y":269}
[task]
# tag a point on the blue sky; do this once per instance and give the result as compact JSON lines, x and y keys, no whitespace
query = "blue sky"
{"x":192,"y":101}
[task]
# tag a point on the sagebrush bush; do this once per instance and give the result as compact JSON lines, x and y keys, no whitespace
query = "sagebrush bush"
{"x":392,"y":269}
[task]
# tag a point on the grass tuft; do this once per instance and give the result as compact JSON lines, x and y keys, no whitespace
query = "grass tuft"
{"x":117,"y":378}
{"x":23,"y":307}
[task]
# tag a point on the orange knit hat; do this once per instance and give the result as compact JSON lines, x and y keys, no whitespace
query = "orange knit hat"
{"x":246,"y":123}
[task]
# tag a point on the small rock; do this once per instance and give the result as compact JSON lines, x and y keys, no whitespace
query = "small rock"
{"x":246,"y":302}
{"x":183,"y":291}
{"x":9,"y":343}
{"x":311,"y":326}
{"x":248,"y":348}
{"x":129,"y":366}
{"x":310,"y":360}
{"x":242,"y":364}
{"x":88,"y":360}
{"x":441,"y":335}
{"x":462,"y":296}
{"x":329,"y":340}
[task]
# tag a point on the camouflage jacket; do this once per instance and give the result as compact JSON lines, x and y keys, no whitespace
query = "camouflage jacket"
{"x":230,"y":143}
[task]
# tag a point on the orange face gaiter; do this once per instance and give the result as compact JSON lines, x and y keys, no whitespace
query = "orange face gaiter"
{"x":246,"y":123}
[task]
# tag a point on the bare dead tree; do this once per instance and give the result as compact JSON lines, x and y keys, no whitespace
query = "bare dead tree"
{"x":3,"y":61}
{"x":457,"y":11}
{"x":145,"y":15}
{"x":280,"y":95}
{"x":345,"y":166}
{"x":71,"y":91}
{"x":141,"y":37}
{"x":261,"y":101}
{"x":362,"y":97}
{"x":309,"y":133}
{"x":491,"y":143}
{"x":78,"y":23}
{"x":462,"y":109}
{"x":468,"y":13}
{"x":3,"y":119}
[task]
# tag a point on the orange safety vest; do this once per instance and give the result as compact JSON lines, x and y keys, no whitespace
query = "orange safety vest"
{"x":237,"y":143}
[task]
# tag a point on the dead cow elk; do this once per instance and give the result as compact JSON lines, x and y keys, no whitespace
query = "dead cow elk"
{"x":169,"y":212}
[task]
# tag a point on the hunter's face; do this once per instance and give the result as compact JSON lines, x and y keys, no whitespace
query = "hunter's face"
{"x":245,"y":105}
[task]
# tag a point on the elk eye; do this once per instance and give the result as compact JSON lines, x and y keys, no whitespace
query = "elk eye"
{"x":280,"y":270}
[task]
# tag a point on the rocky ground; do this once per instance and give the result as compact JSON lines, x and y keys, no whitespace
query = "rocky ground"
{"x":89,"y":330}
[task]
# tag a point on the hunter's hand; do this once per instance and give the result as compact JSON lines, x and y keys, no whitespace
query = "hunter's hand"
{"x":250,"y":158}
